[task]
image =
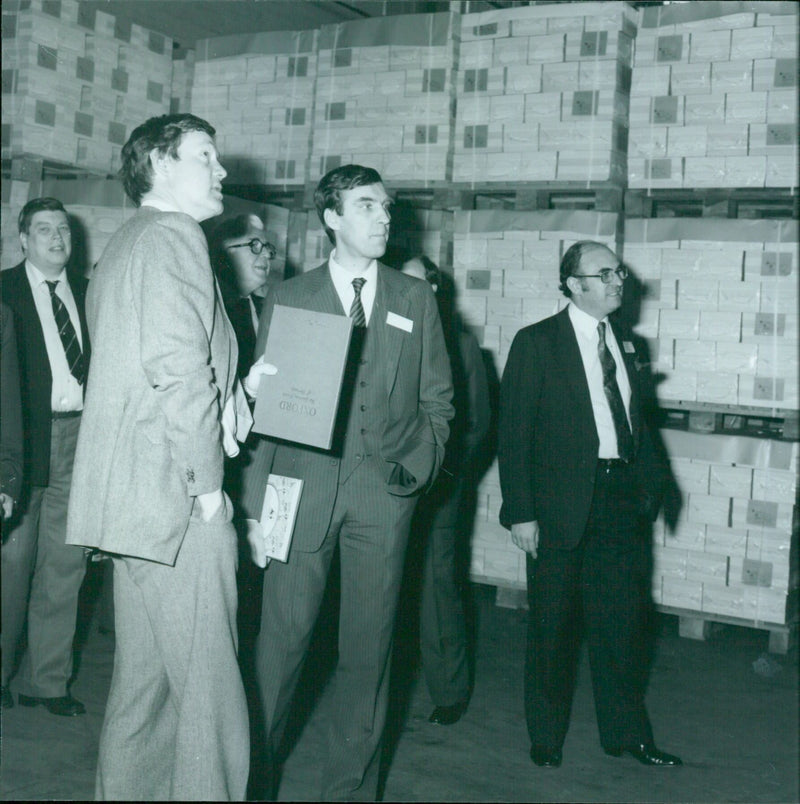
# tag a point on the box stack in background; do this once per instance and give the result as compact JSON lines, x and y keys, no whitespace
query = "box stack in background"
{"x":732,"y":553}
{"x":506,"y":267}
{"x":75,"y":89}
{"x":542,"y":93}
{"x":720,"y":308}
{"x":714,"y":96}
{"x":257,"y":90}
{"x":384,"y":98}
{"x":180,"y":96}
{"x":506,"y":277}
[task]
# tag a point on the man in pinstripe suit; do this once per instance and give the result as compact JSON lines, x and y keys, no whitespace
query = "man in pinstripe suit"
{"x":389,"y":444}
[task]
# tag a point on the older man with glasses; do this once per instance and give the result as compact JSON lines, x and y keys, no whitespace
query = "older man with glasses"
{"x":581,"y":480}
{"x":241,"y":257}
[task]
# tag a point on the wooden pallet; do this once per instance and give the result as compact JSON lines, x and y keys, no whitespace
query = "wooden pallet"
{"x":535,"y":196}
{"x":758,"y":202}
{"x":701,"y":625}
{"x":707,"y":418}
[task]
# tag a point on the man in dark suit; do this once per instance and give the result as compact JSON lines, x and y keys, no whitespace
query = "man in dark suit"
{"x":580,"y":478}
{"x":10,"y":461}
{"x":47,"y":303}
{"x":444,"y":517}
{"x":241,"y":259}
{"x":360,"y":495}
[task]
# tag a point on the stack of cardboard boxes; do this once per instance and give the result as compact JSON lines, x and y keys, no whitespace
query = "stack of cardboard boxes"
{"x":542,"y":93}
{"x":258,"y":92}
{"x":720,"y":305}
{"x":73,"y":87}
{"x":714,"y":96}
{"x":384,"y":98}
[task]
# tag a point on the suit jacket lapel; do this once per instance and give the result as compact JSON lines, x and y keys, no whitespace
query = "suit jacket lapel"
{"x":322,"y":293}
{"x":629,"y":358}
{"x":570,"y":359}
{"x":390,"y":298}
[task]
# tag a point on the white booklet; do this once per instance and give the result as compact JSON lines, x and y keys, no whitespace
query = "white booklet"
{"x":272,"y":536}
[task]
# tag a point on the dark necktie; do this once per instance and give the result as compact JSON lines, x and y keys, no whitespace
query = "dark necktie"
{"x":356,"y":308}
{"x":614,"y":397}
{"x":69,"y":338}
{"x":257,"y":302}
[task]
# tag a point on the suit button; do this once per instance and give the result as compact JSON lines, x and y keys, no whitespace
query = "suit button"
{"x":363,"y":430}
{"x":363,"y":407}
{"x":359,"y":456}
{"x":334,"y":461}
{"x":363,"y":384}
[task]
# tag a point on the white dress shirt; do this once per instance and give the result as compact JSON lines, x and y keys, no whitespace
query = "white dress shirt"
{"x":343,"y":282}
{"x":67,"y":392}
{"x":585,"y":327}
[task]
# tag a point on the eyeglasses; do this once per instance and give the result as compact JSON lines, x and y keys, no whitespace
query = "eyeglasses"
{"x":256,"y":246}
{"x":606,"y":274}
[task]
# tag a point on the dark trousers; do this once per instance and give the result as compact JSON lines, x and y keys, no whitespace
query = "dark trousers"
{"x":600,"y":586}
{"x":443,"y":631}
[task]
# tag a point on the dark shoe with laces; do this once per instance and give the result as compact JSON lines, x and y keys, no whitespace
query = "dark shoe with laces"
{"x":546,"y":757}
{"x":65,"y":705}
{"x":648,"y":755}
{"x":447,"y":715}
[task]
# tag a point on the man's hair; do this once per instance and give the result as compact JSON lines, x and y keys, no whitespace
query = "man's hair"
{"x":328,"y":194}
{"x":571,"y":262}
{"x":163,"y":133}
{"x":46,"y":204}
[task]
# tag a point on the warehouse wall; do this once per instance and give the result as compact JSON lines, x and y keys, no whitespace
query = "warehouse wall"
{"x":507,"y":136}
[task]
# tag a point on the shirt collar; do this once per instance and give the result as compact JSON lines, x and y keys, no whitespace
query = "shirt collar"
{"x":342,"y":277}
{"x":37,"y":278}
{"x":584,"y":324}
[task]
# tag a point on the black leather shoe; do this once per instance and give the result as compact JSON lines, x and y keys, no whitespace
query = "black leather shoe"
{"x":7,"y":698}
{"x":648,"y":755}
{"x":546,"y":757}
{"x":447,"y":715}
{"x":66,"y":705}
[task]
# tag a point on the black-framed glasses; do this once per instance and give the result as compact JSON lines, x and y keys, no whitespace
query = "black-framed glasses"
{"x":606,"y":274}
{"x":256,"y":246}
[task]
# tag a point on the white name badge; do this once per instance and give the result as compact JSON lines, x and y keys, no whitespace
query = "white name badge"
{"x":394,"y":320}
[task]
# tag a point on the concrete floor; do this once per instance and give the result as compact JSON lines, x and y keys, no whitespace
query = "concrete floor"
{"x":735,"y":725}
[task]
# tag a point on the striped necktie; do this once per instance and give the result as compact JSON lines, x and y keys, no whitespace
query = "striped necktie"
{"x":614,"y":397}
{"x":356,"y":308}
{"x":69,"y":338}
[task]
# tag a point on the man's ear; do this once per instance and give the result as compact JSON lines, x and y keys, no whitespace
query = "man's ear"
{"x":23,"y":239}
{"x":331,"y":219}
{"x":158,"y":161}
{"x":574,"y":284}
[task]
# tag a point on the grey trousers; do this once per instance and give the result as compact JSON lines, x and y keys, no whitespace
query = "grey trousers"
{"x":371,"y":528}
{"x":176,"y":725}
{"x":36,"y":559}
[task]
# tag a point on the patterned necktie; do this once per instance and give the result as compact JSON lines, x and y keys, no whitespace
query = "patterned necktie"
{"x":614,"y":397}
{"x":69,"y":338}
{"x":356,"y":308}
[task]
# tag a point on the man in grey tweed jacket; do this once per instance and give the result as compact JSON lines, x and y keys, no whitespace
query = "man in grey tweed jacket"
{"x":148,"y":479}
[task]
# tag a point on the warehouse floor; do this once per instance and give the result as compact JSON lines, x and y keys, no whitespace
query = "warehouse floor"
{"x":725,"y":705}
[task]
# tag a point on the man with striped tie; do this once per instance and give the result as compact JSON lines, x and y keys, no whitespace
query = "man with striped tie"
{"x":358,"y":496}
{"x":47,"y":302}
{"x":581,"y":478}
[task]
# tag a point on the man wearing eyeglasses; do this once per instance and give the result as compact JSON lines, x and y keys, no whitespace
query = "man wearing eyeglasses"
{"x":581,"y":479}
{"x":241,"y":257}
